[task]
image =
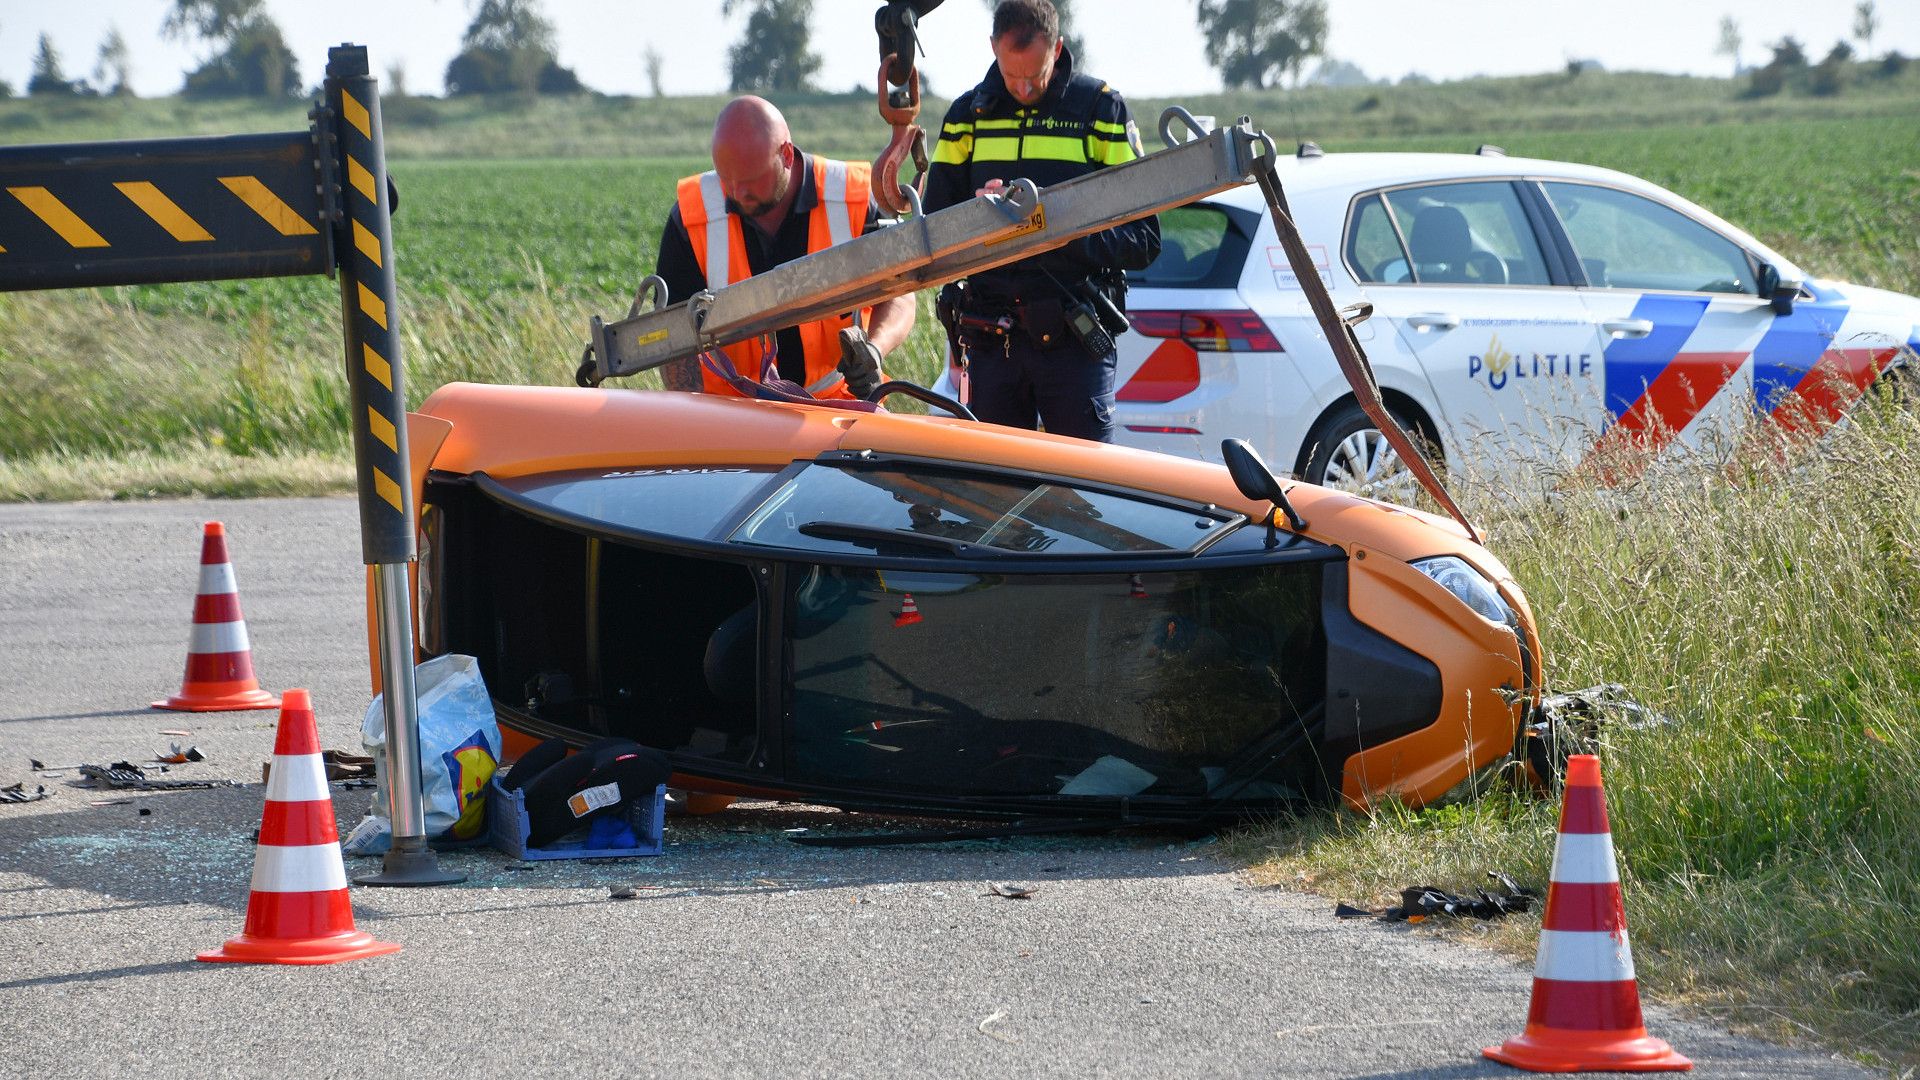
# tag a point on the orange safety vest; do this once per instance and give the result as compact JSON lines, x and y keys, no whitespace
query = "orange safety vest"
{"x":842,"y":190}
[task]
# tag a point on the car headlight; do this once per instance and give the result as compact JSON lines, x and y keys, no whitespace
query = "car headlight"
{"x":1458,"y":577}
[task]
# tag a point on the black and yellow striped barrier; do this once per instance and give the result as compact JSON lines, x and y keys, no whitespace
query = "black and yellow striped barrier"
{"x":128,"y":213}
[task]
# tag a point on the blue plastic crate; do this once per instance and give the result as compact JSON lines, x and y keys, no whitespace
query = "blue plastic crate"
{"x":507,"y":828}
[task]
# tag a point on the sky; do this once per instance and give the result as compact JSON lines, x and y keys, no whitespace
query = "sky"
{"x":1145,"y":48}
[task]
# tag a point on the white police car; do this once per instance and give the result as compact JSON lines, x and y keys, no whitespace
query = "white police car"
{"x":1524,"y":312}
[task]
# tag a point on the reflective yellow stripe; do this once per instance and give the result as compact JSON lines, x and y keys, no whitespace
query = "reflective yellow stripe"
{"x":178,"y":223}
{"x":382,"y":428}
{"x":51,"y":210}
{"x":384,"y":486}
{"x":956,"y":129}
{"x":953,"y":151}
{"x":282,"y":217}
{"x":1110,"y":129}
{"x":1054,"y":148}
{"x":1108,"y":153}
{"x":377,"y":365}
{"x":356,"y":114}
{"x":998,"y":148}
{"x":998,"y":125}
{"x":368,"y":243}
{"x":361,"y":179}
{"x":375,"y":307}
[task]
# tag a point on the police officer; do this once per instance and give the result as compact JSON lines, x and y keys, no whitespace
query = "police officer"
{"x":766,"y":203}
{"x":1036,"y":336}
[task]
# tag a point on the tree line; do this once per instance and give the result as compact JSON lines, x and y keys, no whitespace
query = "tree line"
{"x":510,"y":47}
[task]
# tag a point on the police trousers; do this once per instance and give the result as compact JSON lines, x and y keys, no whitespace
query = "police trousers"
{"x":1015,"y":381}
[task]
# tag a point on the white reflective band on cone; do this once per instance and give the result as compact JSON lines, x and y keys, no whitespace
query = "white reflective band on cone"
{"x":219,"y":637}
{"x":313,"y":868}
{"x":297,"y":778}
{"x":1584,"y":859}
{"x":1584,"y":956}
{"x":217,"y":579}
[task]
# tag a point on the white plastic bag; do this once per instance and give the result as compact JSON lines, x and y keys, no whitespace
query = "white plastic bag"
{"x":459,"y":751}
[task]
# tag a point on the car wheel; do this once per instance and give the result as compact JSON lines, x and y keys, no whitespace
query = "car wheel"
{"x":1349,"y":453}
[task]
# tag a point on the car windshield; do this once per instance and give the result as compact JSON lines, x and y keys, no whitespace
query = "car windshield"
{"x":916,"y":509}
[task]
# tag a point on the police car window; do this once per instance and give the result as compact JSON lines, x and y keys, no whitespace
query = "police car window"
{"x":1374,"y":248}
{"x":1625,"y":241}
{"x":920,"y":512}
{"x":1193,"y":242}
{"x":1468,"y":234}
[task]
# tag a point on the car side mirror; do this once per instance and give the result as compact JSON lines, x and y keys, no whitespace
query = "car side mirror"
{"x":1256,"y":481}
{"x":1780,"y":291}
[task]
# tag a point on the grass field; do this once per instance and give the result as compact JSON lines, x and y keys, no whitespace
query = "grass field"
{"x":501,"y":262}
{"x":1769,"y":836}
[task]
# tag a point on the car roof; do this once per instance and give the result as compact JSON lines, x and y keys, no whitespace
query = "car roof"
{"x":1357,"y":172}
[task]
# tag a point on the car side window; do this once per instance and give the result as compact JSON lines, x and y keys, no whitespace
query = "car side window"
{"x":1191,"y":238}
{"x":1373,"y":248}
{"x":1625,"y":241}
{"x":1469,"y":233}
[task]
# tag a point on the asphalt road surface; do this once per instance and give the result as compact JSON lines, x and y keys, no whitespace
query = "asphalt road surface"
{"x":742,"y":955}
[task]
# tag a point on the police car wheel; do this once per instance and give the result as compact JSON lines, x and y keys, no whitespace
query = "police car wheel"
{"x":1350,"y":454}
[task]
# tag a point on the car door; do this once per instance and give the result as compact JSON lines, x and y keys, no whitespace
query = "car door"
{"x":1693,"y":349}
{"x":1460,"y":269}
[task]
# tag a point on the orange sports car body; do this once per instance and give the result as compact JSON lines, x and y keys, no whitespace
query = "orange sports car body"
{"x":882,"y":610}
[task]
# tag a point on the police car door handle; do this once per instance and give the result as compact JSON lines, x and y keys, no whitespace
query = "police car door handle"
{"x":1433,"y":321}
{"x":1627,"y":328}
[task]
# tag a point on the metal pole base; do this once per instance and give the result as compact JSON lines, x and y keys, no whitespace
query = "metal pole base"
{"x":410,"y":863}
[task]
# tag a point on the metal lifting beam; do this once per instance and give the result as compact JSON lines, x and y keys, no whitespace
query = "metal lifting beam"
{"x":926,"y":251}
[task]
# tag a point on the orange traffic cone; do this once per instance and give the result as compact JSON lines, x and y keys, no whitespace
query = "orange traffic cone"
{"x":298,"y":911}
{"x":908,"y":614}
{"x":1136,"y":588}
{"x":219,"y":656}
{"x":1585,"y":1014}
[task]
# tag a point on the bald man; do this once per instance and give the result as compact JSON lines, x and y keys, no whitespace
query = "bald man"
{"x":766,"y":203}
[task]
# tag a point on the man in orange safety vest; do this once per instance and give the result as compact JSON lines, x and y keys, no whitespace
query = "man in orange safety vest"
{"x":766,"y":203}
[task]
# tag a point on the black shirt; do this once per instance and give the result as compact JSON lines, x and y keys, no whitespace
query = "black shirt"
{"x":681,"y":271}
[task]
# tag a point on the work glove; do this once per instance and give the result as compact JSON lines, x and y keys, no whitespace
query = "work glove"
{"x":859,"y":362}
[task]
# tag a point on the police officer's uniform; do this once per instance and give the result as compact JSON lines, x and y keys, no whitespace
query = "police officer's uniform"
{"x":1039,"y":369}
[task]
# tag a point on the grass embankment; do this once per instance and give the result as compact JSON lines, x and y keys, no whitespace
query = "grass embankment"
{"x":1769,"y":836}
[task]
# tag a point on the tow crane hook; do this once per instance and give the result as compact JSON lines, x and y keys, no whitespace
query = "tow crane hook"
{"x":899,"y":94}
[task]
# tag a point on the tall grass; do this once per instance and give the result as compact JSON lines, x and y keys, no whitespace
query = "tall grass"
{"x":1761,"y":597}
{"x":105,"y":399}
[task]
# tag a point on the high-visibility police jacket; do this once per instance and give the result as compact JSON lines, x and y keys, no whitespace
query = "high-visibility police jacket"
{"x":1079,"y":125}
{"x":843,"y":190}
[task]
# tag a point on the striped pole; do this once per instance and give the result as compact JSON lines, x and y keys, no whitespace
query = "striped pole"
{"x":352,"y":140}
{"x":219,"y":654}
{"x":298,"y":911}
{"x":1585,"y":1013}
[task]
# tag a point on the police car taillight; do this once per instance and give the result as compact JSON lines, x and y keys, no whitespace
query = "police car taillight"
{"x":1209,"y":331}
{"x":1172,"y":370}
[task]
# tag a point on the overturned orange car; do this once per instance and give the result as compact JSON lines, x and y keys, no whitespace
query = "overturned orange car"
{"x":883,"y":610}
